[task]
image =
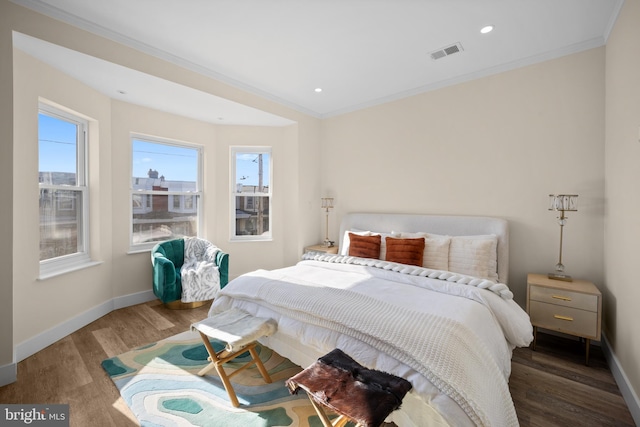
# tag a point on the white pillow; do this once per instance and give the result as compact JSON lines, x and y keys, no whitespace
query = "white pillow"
{"x":436,"y":250}
{"x":474,"y":256}
{"x":383,"y":242}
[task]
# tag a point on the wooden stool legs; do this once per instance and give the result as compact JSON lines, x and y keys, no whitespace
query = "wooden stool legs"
{"x":340,"y":421}
{"x":258,"y":362}
{"x":217,"y":359}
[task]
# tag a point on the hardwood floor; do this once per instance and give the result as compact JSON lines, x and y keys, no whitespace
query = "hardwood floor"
{"x":69,"y":371}
{"x":550,"y":387}
{"x":553,"y":387}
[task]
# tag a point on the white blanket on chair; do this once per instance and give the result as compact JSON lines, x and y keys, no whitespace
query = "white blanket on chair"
{"x":200,"y":275}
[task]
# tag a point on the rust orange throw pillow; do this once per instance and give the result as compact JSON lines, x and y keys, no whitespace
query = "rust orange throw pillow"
{"x":364,"y":246}
{"x":405,"y":251}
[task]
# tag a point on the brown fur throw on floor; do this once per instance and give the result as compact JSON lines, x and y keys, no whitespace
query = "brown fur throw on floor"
{"x":340,"y":383}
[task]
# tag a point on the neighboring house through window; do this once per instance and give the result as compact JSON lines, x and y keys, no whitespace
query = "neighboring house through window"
{"x":165,"y":190}
{"x":64,"y":190}
{"x":251,"y":193}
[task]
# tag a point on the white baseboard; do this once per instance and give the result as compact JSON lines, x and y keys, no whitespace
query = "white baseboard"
{"x":50,"y":336}
{"x":133,"y":299}
{"x":627,"y":391}
{"x":8,"y":374}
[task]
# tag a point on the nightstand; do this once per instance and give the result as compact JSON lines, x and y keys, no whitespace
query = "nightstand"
{"x":321,"y":248}
{"x":573,"y":308}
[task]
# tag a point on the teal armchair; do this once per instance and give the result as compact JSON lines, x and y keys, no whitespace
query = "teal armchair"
{"x":167,"y":258}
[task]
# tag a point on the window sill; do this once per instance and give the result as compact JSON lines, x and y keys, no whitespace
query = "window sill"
{"x":250,"y":239}
{"x":133,"y":251}
{"x":68,"y":269}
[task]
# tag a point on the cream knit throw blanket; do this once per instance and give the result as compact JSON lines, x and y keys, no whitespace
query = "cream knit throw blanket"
{"x":444,"y":351}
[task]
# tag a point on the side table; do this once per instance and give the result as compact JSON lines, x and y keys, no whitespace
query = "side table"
{"x":573,"y":308}
{"x":321,"y":248}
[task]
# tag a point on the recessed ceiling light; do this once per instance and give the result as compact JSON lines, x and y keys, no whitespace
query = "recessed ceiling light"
{"x":487,"y":29}
{"x":318,"y":89}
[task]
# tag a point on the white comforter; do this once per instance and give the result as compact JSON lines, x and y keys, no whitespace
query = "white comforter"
{"x":466,"y":382}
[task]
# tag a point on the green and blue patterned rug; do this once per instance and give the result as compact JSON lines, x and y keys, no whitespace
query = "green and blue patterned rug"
{"x":159,"y":383}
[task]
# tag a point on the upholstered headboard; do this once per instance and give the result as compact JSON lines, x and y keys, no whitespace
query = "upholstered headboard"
{"x":452,"y":225}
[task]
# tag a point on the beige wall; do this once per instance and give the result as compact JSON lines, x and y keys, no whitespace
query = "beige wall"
{"x":7,"y":369}
{"x":39,"y":304}
{"x":495,"y":146}
{"x":622,"y":292}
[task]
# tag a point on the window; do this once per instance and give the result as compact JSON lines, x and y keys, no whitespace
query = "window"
{"x":64,"y":191}
{"x":251,"y":193}
{"x":165,"y":191}
{"x":189,"y":203}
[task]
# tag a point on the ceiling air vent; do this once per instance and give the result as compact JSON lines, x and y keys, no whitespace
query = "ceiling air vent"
{"x":446,"y":51}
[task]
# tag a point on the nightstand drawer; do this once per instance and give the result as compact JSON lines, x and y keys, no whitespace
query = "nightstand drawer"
{"x":564,"y":319}
{"x":564,"y":298}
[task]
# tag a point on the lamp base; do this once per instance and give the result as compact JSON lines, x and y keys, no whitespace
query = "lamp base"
{"x":560,"y":276}
{"x":328,"y":243}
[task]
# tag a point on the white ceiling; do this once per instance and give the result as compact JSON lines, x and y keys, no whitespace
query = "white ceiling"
{"x":360,"y":52}
{"x":132,"y":86}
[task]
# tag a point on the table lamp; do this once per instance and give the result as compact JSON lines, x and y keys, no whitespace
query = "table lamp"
{"x":562,"y":203}
{"x":327,"y":203}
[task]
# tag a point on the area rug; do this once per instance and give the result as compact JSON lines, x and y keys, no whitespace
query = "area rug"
{"x":159,"y":384}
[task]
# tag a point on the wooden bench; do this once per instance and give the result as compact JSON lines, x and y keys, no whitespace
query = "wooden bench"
{"x":357,"y":394}
{"x":239,"y":330}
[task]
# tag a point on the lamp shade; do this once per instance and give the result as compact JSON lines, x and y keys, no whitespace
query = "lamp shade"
{"x":327,"y":202}
{"x":563,"y":202}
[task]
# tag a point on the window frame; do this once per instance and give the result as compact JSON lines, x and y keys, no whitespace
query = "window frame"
{"x":234,"y":150}
{"x":82,"y":258}
{"x":147,"y":201}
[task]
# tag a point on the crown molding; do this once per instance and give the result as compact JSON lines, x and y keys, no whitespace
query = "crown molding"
{"x":614,"y":18}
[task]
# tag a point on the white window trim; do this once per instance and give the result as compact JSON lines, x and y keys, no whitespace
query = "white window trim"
{"x":143,"y":247}
{"x":81,"y":259}
{"x":234,"y":150}
{"x":65,"y":264}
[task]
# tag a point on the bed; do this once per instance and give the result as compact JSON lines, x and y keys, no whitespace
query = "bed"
{"x":438,"y":313}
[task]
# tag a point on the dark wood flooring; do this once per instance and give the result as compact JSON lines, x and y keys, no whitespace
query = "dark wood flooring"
{"x":550,"y":387}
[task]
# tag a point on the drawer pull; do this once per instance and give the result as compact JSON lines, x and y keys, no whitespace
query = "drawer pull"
{"x":557,"y":316}
{"x":563,"y":298}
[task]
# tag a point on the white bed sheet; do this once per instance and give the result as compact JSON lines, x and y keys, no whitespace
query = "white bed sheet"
{"x":425,"y":405}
